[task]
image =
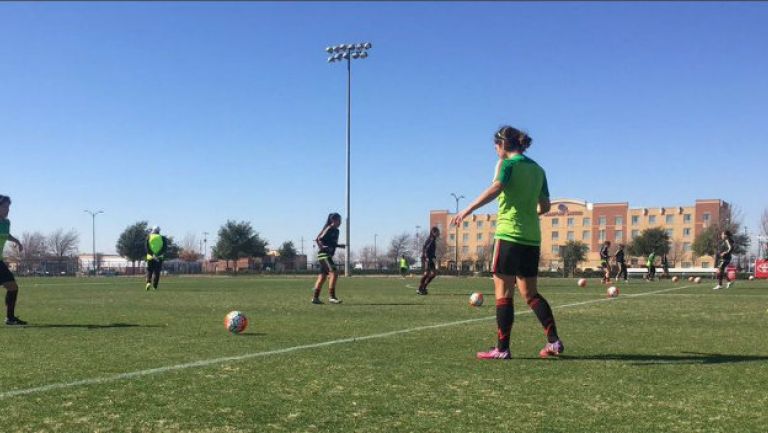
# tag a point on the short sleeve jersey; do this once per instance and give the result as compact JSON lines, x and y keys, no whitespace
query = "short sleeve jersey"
{"x":524,"y":184}
{"x":5,"y":231}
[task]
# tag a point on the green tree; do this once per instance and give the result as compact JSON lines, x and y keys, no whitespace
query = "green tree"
{"x":172,"y":249}
{"x":287,"y":251}
{"x":132,"y":242}
{"x":572,"y":253}
{"x":237,"y":240}
{"x":654,"y":239}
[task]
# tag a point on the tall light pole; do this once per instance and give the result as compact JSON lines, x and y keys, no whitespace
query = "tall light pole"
{"x":375,"y":253}
{"x":205,"y":245}
{"x":93,"y":226}
{"x":338,"y":53}
{"x":457,"y":198}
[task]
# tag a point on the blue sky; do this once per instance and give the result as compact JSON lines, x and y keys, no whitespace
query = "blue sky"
{"x":189,"y":114}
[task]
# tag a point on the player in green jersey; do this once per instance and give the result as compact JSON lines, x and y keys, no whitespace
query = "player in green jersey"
{"x":156,"y":246}
{"x":521,"y":186}
{"x":6,"y":277}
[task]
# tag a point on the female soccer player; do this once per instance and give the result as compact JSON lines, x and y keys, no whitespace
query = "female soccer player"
{"x":605,"y":263}
{"x":521,"y":186}
{"x":621,"y":263}
{"x":651,"y":264}
{"x":428,"y":261}
{"x":6,"y":277}
{"x":327,"y":242}
{"x":725,"y":259}
{"x":156,"y":246}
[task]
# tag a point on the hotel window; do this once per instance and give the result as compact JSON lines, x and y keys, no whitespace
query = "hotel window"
{"x":601,"y":236}
{"x":586,"y":235}
{"x":465,"y":237}
{"x":465,"y":250}
{"x":479,"y":236}
{"x":493,"y":223}
{"x":669,"y":219}
{"x":635,"y":233}
{"x":601,"y":220}
{"x":555,"y":222}
{"x":555,"y":236}
{"x":706,"y":218}
{"x":570,"y":222}
{"x":687,"y":247}
{"x":687,"y":231}
{"x":570,"y":236}
{"x":669,"y":232}
{"x":479,"y":224}
{"x":651,"y":219}
{"x":687,"y":218}
{"x":586,"y":221}
{"x":555,"y":249}
{"x":619,"y":235}
{"x":635,"y":220}
{"x":479,"y":250}
{"x":452,"y":237}
{"x":466,"y":224}
{"x":619,"y":220}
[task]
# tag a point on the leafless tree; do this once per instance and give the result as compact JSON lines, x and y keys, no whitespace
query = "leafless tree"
{"x":764,"y":222}
{"x":35,"y":247}
{"x":368,"y":257}
{"x":676,"y":252}
{"x":399,"y":247}
{"x":189,"y":248}
{"x":63,"y":244}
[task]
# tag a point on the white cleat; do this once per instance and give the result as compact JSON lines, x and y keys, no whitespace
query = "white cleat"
{"x":728,"y":285}
{"x":717,"y":287}
{"x":334,"y":300}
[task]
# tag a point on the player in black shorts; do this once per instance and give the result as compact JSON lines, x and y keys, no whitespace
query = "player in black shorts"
{"x":327,"y":242}
{"x":604,"y":263}
{"x":621,"y":263}
{"x":428,"y":261}
{"x":6,"y":277}
{"x":725,"y":259}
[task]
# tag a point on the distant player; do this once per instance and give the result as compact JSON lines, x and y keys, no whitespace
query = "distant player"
{"x":621,"y":264}
{"x":6,"y":277}
{"x":403,"y":266}
{"x":156,"y":246}
{"x":725,"y":259}
{"x":521,"y":186}
{"x":651,"y":264}
{"x":428,"y":261}
{"x":327,"y":242}
{"x":604,"y":261}
{"x":664,"y":266}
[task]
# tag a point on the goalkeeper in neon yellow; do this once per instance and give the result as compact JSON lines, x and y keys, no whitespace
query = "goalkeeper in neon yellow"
{"x":156,"y":246}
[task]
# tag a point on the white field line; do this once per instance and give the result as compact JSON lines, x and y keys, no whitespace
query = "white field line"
{"x":208,"y":362}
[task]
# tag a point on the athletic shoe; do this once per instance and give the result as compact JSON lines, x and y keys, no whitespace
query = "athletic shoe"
{"x":422,"y":292}
{"x":316,"y":301}
{"x":728,"y":285}
{"x":717,"y":287}
{"x":148,"y":286}
{"x":334,"y":300}
{"x":494,"y":353}
{"x":14,"y":321}
{"x":552,"y":349}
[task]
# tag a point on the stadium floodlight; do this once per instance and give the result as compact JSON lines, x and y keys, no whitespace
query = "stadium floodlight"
{"x":93,"y":214}
{"x":348,"y":52}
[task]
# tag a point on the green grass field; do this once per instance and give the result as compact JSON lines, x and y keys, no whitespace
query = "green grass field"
{"x":103,"y":355}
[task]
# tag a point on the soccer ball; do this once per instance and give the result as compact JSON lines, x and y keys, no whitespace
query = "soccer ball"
{"x":582,"y":282}
{"x":697,"y":280}
{"x":235,"y":322}
{"x":674,"y":279}
{"x":690,"y":279}
{"x":476,"y":299}
{"x":751,"y":277}
{"x":613,"y":292}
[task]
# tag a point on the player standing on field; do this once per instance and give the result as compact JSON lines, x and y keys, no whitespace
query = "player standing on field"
{"x":428,"y":261}
{"x":521,"y":186}
{"x":651,"y":264}
{"x":327,"y":242}
{"x":725,"y":259}
{"x":156,"y":246}
{"x":621,"y":263}
{"x":6,"y":277}
{"x":403,"y":266}
{"x":604,"y":263}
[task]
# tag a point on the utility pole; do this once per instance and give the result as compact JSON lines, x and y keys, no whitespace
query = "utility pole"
{"x":457,"y":198}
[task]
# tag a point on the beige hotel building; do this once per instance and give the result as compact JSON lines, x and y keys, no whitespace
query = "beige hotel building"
{"x":591,"y":223}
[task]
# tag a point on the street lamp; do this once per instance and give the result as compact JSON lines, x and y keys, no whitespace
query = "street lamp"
{"x":457,"y":198}
{"x":93,"y":226}
{"x":339,"y":53}
{"x":375,"y":254}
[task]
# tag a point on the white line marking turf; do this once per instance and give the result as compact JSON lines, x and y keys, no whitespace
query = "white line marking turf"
{"x":208,"y":362}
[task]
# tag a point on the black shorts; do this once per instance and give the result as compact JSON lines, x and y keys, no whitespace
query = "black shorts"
{"x":428,"y":264}
{"x":604,"y":264}
{"x":514,"y":259}
{"x":154,"y":265}
{"x":5,"y":274}
{"x":326,"y":265}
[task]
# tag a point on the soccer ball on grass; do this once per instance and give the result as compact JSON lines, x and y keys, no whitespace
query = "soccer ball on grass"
{"x":235,"y":322}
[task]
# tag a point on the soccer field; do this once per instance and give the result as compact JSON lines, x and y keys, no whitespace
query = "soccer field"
{"x":103,"y":355}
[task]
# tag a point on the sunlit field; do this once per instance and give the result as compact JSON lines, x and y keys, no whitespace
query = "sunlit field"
{"x":104,"y":355}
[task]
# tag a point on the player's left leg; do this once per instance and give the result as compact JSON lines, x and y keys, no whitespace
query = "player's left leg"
{"x":156,"y":276}
{"x":11,"y":295}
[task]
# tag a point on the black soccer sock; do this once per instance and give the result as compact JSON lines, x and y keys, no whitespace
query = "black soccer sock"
{"x":429,"y":280}
{"x":316,"y":293}
{"x":543,"y":312}
{"x":10,"y":303}
{"x":505,"y":318}
{"x":423,"y":283}
{"x":156,"y":279}
{"x":332,"y":292}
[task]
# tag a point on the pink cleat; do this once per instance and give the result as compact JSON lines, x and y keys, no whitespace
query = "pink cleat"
{"x":494,"y":353}
{"x":552,"y":349}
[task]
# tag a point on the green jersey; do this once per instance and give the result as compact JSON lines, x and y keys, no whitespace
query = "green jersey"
{"x":651,"y":259}
{"x":525,"y":184}
{"x":403,"y":264}
{"x":5,"y":231}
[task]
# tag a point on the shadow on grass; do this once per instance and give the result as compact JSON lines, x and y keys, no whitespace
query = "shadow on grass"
{"x":682,"y":358}
{"x":92,"y":326}
{"x":251,"y":334}
{"x":388,"y":304}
